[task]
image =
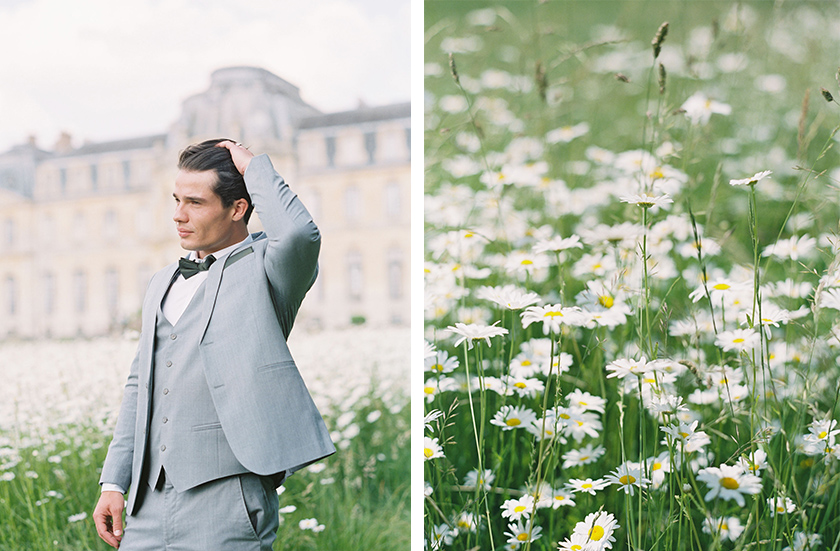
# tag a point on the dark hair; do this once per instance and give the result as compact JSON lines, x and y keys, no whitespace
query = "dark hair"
{"x":230,"y":185}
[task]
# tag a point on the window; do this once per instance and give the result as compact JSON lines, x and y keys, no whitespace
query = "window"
{"x":94,"y":178}
{"x":330,"y":140}
{"x":49,"y":293}
{"x":392,"y":200}
{"x":62,"y":180}
{"x":355,"y":283}
{"x":112,"y":290}
{"x":395,"y":273}
{"x":79,"y":230}
{"x":127,"y":173}
{"x":352,"y":203}
{"x":370,"y":146}
{"x":109,"y":226}
{"x":11,"y":295}
{"x":80,"y":291}
{"x":9,"y":233}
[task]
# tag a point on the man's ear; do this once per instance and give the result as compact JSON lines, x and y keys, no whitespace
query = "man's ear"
{"x":240,"y":207}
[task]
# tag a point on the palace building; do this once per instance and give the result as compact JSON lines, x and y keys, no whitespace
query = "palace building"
{"x":82,"y":229}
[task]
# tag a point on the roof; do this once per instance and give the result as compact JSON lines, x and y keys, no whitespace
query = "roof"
{"x":357,"y":116}
{"x":142,"y":142}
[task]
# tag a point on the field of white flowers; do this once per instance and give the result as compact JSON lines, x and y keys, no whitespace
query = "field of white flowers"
{"x":58,"y":405}
{"x":632,"y":278}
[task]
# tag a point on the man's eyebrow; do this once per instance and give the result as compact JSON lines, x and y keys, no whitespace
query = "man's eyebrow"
{"x":189,"y":198}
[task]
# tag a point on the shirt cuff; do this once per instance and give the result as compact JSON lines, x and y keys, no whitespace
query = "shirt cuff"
{"x":108,"y":487}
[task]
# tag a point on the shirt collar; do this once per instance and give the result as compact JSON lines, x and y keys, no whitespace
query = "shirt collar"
{"x":222,"y":252}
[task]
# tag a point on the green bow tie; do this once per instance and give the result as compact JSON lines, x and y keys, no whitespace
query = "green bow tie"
{"x":189,"y":268}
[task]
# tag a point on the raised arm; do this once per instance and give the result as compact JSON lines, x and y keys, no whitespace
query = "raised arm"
{"x":293,"y":238}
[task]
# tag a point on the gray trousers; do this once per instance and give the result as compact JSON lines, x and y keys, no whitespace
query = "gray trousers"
{"x":237,"y":513}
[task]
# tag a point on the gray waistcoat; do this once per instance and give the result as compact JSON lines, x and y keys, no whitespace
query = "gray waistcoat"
{"x":185,"y":436}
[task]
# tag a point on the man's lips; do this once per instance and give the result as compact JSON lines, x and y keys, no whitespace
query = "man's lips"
{"x":183,"y":233}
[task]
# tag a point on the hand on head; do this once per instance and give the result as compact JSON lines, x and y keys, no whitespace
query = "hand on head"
{"x":239,"y":153}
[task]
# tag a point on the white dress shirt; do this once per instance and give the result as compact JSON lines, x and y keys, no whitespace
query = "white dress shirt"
{"x":182,"y":290}
{"x":176,"y":300}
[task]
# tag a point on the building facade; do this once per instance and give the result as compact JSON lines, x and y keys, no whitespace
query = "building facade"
{"x":82,"y":229}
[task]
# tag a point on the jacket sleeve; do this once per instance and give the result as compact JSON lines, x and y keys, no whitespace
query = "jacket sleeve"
{"x":291,"y":258}
{"x":118,"y":462}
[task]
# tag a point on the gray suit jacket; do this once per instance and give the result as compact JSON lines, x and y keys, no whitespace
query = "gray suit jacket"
{"x":250,"y":303}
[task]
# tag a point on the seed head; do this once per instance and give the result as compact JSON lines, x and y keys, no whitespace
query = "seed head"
{"x":452,"y":69}
{"x":827,"y":95}
{"x":662,"y":76}
{"x":659,"y":38}
{"x":622,"y":77}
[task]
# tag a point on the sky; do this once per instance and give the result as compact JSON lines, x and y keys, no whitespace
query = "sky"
{"x":103,"y":70}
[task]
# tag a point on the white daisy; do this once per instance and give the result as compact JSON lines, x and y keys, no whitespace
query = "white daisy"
{"x":780,"y":505}
{"x":751,"y":180}
{"x":729,"y":482}
{"x":431,"y":448}
{"x":513,"y":417}
{"x":598,"y":528}
{"x":588,"y":485}
{"x":472,"y":332}
{"x":520,"y":533}
{"x":515,"y":509}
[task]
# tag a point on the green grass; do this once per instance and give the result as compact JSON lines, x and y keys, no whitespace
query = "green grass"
{"x":366,"y":507}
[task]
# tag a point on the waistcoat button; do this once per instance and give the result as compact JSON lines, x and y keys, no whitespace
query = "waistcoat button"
{"x":168,"y":364}
{"x":166,"y":391}
{"x":163,"y":448}
{"x":165,"y":420}
{"x":173,"y":336}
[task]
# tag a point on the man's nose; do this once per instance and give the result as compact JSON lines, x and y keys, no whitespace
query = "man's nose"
{"x":179,"y":215}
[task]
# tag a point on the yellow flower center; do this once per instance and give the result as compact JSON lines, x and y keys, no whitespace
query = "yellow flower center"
{"x":729,"y":483}
{"x":526,"y":262}
{"x":684,"y":434}
{"x":627,"y":479}
{"x":597,"y":267}
{"x":526,"y":362}
{"x":519,"y":385}
{"x":469,"y":234}
{"x":565,"y":416}
{"x":724,"y":526}
{"x":780,"y":509}
{"x":522,"y":537}
{"x":437,"y":367}
{"x":576,"y":547}
{"x":656,"y":467}
{"x":428,"y":452}
{"x":429,"y":390}
{"x":721,"y":287}
{"x":552,"y":314}
{"x":823,"y":434}
{"x":656,"y":174}
{"x":739,"y":340}
{"x":586,"y":486}
{"x":606,"y":301}
{"x":584,"y":458}
{"x":513,"y":422}
{"x":559,"y":498}
{"x":596,"y":533}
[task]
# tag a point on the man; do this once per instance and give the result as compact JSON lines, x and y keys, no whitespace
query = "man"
{"x":214,"y":413}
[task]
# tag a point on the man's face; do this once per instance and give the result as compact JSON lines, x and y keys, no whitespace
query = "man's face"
{"x":203,"y":224}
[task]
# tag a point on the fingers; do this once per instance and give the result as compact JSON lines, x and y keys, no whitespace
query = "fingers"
{"x":238,"y":153}
{"x":108,"y":518}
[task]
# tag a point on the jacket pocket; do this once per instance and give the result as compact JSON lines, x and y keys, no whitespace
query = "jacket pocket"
{"x":207,"y":426}
{"x":276,"y":365}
